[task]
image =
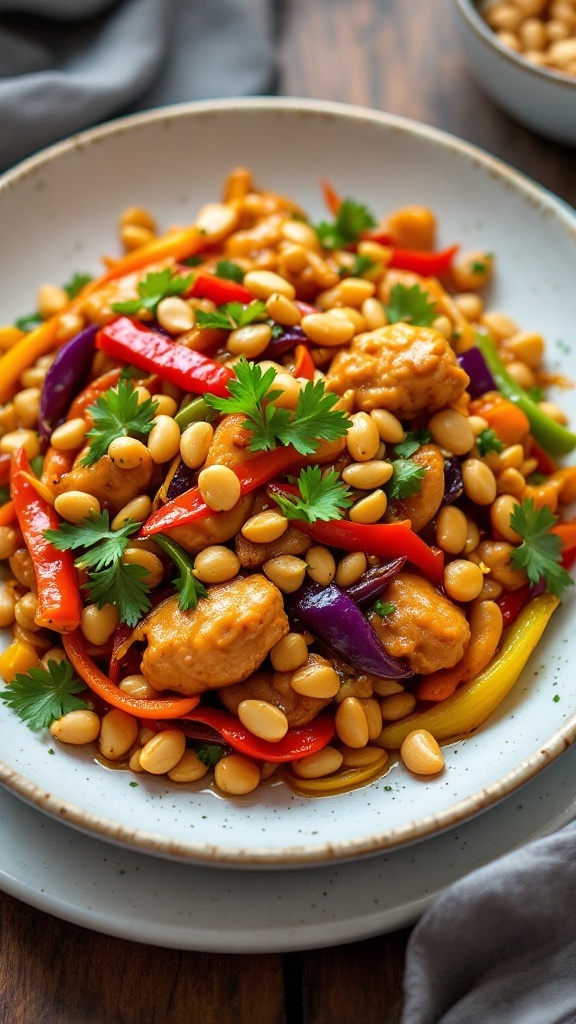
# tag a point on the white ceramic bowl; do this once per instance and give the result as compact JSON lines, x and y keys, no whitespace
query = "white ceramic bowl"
{"x":58,"y":215}
{"x":542,"y":100}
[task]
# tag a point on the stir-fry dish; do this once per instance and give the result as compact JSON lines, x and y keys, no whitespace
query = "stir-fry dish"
{"x":280,"y":498}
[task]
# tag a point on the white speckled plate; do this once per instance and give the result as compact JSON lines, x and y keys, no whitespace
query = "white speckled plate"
{"x":59,"y":212}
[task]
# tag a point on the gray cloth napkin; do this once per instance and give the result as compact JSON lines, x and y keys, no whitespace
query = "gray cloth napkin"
{"x":499,"y":946}
{"x":68,"y":64}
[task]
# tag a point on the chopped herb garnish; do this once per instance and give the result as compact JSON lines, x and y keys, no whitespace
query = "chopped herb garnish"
{"x":312,"y":421}
{"x":405,"y":480}
{"x":413,"y":440}
{"x":351,"y":220}
{"x":232,"y":315}
{"x":360,"y":265}
{"x":190,"y":588}
{"x":157,"y":285}
{"x":4,"y":494}
{"x":411,"y":305}
{"x":76,"y":284}
{"x":209,"y":753}
{"x":383,"y":608}
{"x":117,"y":413}
{"x":487,"y":441}
{"x":28,"y":323}
{"x":110,"y":579}
{"x":230,"y":271}
{"x":321,"y":497}
{"x":540,"y":552}
{"x":41,"y":696}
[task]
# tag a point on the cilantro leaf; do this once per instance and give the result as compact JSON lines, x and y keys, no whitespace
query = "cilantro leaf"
{"x":232,"y":315}
{"x":76,"y":284}
{"x":383,"y":608}
{"x":487,"y":441}
{"x":314,"y":419}
{"x":117,"y":413}
{"x":360,"y":265}
{"x":40,"y":696}
{"x":190,"y":588}
{"x":321,"y":497}
{"x":157,"y":285}
{"x":110,"y":580}
{"x":410,"y":305}
{"x":405,"y":479}
{"x":351,"y":220}
{"x":230,"y":271}
{"x":209,"y":753}
{"x":28,"y":322}
{"x":540,"y":552}
{"x":413,"y":440}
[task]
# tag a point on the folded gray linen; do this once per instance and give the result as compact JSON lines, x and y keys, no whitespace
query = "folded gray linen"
{"x":499,"y":946}
{"x":66,"y":65}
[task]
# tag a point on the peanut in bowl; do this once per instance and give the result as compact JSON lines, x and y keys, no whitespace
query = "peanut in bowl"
{"x":217,"y":614}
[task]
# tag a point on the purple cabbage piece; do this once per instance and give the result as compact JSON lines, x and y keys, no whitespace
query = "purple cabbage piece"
{"x":481,"y":380}
{"x":332,"y":615}
{"x":65,"y":377}
{"x":453,"y":480}
{"x":290,"y":337}
{"x":374,"y":581}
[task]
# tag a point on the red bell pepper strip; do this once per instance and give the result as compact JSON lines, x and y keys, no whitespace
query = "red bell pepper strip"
{"x":511,"y":603}
{"x":297,"y":743}
{"x":304,"y":364}
{"x":59,"y":602}
{"x":189,"y":506}
{"x":5,"y":463}
{"x":429,"y":264}
{"x":7,"y":514}
{"x":135,"y":343}
{"x":219,"y":290}
{"x":387,"y":540}
{"x":160,"y":707}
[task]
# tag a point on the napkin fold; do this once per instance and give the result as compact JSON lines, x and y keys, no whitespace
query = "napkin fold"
{"x":66,"y":65}
{"x":499,"y":946}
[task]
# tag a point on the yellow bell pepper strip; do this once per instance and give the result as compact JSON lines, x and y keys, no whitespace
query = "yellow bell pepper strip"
{"x":136,"y":343}
{"x":157,"y":708}
{"x":252,"y":473}
{"x":297,"y":743}
{"x":18,"y":657}
{"x":59,"y":602}
{"x":341,"y":781}
{"x":550,"y":435}
{"x":474,"y":702}
{"x":387,"y":540}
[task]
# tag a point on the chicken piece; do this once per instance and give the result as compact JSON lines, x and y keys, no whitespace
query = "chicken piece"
{"x":229,"y":446}
{"x":421,"y":507}
{"x":426,"y":628}
{"x":292,"y":542}
{"x":274,"y":687}
{"x":215,"y":529}
{"x":221,"y":642}
{"x":402,"y":368}
{"x":113,"y":486}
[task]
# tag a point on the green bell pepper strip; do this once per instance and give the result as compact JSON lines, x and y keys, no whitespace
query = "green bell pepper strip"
{"x":194,"y":412}
{"x":474,"y":702}
{"x":553,"y":437}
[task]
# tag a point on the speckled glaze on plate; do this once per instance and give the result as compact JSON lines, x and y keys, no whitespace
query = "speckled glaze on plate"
{"x":60,"y":210}
{"x":124,"y":893}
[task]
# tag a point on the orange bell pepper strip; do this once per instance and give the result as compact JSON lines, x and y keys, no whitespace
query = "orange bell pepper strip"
{"x":189,"y":506}
{"x":59,"y":602}
{"x":505,"y":418}
{"x":158,"y":708}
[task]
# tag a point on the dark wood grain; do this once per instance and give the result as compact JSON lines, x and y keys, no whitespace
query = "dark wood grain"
{"x":402,"y":56}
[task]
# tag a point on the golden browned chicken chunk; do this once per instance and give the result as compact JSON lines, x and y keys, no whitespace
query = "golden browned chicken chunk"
{"x":216,"y":529}
{"x":251,"y":554}
{"x":425,"y":628}
{"x":274,"y":687}
{"x":113,"y":486}
{"x":221,"y":642}
{"x":421,"y":507}
{"x":402,"y":368}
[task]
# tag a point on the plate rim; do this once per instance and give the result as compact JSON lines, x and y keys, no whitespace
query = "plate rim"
{"x":413,"y":831}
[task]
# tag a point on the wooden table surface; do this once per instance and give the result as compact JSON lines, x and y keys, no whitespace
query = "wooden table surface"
{"x":401,"y":56}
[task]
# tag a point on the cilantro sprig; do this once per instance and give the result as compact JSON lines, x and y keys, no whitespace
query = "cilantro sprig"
{"x":312,"y":421}
{"x":110,"y":579}
{"x":117,"y":413}
{"x":351,"y":220}
{"x":41,"y":696}
{"x":157,"y":285}
{"x":189,"y":587}
{"x":230,"y":271}
{"x":232,"y":315}
{"x":540,"y":552}
{"x":410,"y":305}
{"x":406,"y":479}
{"x":413,"y":440}
{"x":322,"y":497}
{"x":487,"y":441}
